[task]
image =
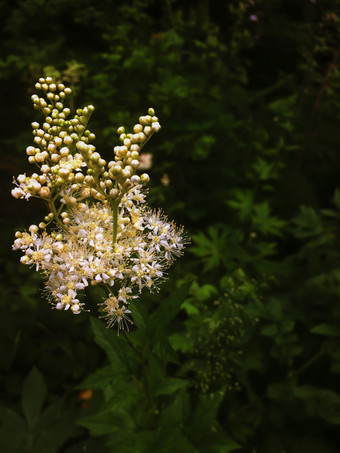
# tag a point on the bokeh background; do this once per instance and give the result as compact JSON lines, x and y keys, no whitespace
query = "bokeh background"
{"x":240,"y":349}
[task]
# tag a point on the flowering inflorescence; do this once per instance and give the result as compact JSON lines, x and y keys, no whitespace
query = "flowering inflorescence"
{"x":99,"y":230}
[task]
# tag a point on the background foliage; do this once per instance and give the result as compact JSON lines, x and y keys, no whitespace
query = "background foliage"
{"x":240,"y":350}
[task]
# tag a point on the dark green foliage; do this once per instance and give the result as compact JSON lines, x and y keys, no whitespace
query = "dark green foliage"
{"x":240,"y":350}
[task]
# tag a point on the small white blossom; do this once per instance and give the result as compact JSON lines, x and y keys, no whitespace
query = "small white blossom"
{"x":102,"y":232}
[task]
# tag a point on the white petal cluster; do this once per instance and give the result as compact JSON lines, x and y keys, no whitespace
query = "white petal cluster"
{"x":83,"y":253}
{"x":103,"y":232}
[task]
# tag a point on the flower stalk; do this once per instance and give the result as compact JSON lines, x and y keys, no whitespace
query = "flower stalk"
{"x":104,"y":233}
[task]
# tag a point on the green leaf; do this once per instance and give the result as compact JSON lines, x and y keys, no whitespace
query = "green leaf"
{"x":204,"y":416}
{"x":320,"y":402}
{"x":172,"y":439}
{"x":167,"y":310}
{"x":13,"y":424}
{"x":190,"y":308}
{"x":181,"y":342}
{"x":120,"y":353}
{"x":243,"y":202}
{"x":264,"y":221}
{"x":52,"y":438}
{"x":177,"y":410}
{"x":98,"y":379}
{"x":171,"y":385}
{"x":211,"y":247}
{"x":269,"y":330}
{"x":326,"y":329}
{"x":108,"y":422}
{"x":33,"y":396}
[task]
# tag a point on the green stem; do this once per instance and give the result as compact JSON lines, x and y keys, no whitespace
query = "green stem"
{"x":56,"y":214}
{"x":115,"y":209}
{"x":115,"y":206}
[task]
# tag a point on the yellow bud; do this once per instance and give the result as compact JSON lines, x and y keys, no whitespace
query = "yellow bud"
{"x":114,"y":193}
{"x":45,"y":192}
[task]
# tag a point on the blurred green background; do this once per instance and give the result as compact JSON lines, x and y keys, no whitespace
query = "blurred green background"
{"x":240,"y":350}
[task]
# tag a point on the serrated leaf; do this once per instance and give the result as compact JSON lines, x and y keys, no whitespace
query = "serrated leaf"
{"x":108,"y":422}
{"x":210,"y":247}
{"x":33,"y":396}
{"x":122,"y":356}
{"x":98,"y":379}
{"x":205,"y":414}
{"x":172,"y":439}
{"x":243,"y":202}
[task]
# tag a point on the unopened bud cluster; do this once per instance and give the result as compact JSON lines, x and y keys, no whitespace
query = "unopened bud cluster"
{"x":98,"y":230}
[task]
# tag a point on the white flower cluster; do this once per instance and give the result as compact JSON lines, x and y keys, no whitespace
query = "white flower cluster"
{"x":102,"y":231}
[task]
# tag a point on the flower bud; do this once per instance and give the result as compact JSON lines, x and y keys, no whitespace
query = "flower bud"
{"x":75,"y":309}
{"x":79,"y":177}
{"x":58,"y":141}
{"x":64,"y":172}
{"x":114,"y":193}
{"x":68,"y":140}
{"x":17,"y":193}
{"x":45,"y":192}
{"x":145,"y":178}
{"x":135,"y":178}
{"x":89,"y":180}
{"x":156,"y":126}
{"x":21,"y":178}
{"x":39,"y":157}
{"x":142,"y":137}
{"x":95,"y":157}
{"x":135,"y":148}
{"x":126,"y":173}
{"x":30,"y":150}
{"x":33,"y":229}
{"x":25,"y":259}
{"x":64,"y":151}
{"x":137,"y":128}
